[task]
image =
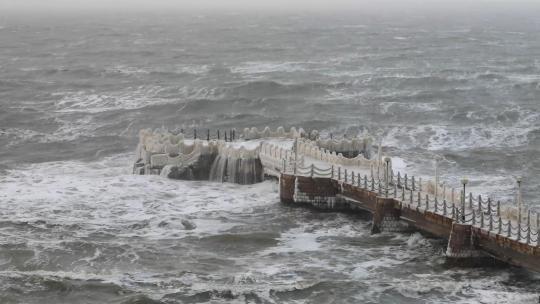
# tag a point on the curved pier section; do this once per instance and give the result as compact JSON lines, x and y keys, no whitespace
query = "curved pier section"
{"x":316,"y":172}
{"x":163,"y":153}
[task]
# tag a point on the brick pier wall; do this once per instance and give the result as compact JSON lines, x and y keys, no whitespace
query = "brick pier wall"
{"x":467,"y":245}
{"x":286,"y":188}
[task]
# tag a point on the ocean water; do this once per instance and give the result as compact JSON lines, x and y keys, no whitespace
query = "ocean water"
{"x":77,"y":227}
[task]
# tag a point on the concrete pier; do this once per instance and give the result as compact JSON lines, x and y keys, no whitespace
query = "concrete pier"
{"x":310,"y":172}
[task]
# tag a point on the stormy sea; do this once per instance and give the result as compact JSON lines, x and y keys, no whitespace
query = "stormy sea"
{"x":77,"y":227}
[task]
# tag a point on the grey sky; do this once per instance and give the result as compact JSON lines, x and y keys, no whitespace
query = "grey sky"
{"x":45,"y":6}
{"x":322,"y":4}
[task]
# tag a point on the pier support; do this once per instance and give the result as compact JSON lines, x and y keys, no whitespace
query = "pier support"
{"x":386,"y":216}
{"x":321,"y":193}
{"x":286,"y":188}
{"x":462,"y":247}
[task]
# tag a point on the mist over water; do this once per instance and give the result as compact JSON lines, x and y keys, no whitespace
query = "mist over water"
{"x":77,"y":227}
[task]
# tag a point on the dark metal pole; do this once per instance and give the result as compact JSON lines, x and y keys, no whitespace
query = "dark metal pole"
{"x":464,"y":182}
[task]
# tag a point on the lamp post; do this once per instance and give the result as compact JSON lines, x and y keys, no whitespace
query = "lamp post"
{"x":379,"y":158}
{"x":519,"y":200}
{"x":295,"y":147}
{"x":464,"y":181}
{"x":386,"y":177}
{"x":436,"y":176}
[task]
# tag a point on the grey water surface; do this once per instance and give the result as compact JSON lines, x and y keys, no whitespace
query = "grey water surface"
{"x":77,"y":227}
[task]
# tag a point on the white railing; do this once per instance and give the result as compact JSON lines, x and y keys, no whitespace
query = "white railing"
{"x":254,"y":133}
{"x":310,"y":148}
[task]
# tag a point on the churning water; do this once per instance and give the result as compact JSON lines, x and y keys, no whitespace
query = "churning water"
{"x":77,"y":227}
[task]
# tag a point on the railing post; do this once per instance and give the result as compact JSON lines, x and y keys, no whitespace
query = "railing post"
{"x":490,"y":221}
{"x":499,"y":230}
{"x":519,"y":205}
{"x":346,"y":175}
{"x":454,"y":216}
{"x":399,"y":179}
{"x":365,"y":181}
{"x":372,"y":183}
{"x":387,"y":173}
{"x":444,"y":206}
{"x":420,"y":184}
{"x":444,"y":190}
{"x":436,"y":203}
{"x":284,"y":166}
{"x":411,"y":198}
{"x":403,"y":194}
{"x":359,"y":180}
{"x":312,"y":169}
{"x":499,"y":208}
{"x":218,"y":135}
{"x":436,"y":177}
{"x":528,"y":235}
{"x":194,"y":133}
{"x":473,"y":217}
{"x":352,"y":178}
{"x":481,"y":219}
{"x":489,"y":205}
{"x":479,"y":203}
{"x":464,"y":181}
{"x":470,"y":200}
{"x":509,"y":232}
{"x":419,"y":198}
{"x":519,"y":231}
{"x":413,"y":184}
{"x":427,"y":202}
{"x":208,"y":135}
{"x":406,"y":186}
{"x":395,"y":190}
{"x":332,"y":176}
{"x":225,"y":133}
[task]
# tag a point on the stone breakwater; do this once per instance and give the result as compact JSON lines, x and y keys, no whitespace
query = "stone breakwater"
{"x":344,"y":175}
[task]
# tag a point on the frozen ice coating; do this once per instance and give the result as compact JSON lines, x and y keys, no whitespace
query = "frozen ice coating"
{"x":201,"y":97}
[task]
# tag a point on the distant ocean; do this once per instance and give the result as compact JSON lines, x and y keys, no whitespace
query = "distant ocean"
{"x":77,"y":227}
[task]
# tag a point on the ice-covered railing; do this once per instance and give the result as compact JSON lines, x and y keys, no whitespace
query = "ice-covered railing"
{"x":254,"y":133}
{"x":229,"y":150}
{"x":311,"y":149}
{"x":517,"y":218}
{"x":237,"y":164}
{"x":275,"y":157}
{"x":159,"y":148}
{"x":355,"y":144}
{"x":162,"y":141}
